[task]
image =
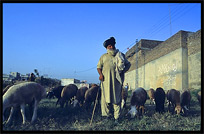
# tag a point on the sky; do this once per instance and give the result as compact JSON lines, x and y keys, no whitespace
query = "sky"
{"x":65,"y":40}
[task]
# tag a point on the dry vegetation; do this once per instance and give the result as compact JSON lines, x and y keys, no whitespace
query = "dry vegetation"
{"x":52,"y":118}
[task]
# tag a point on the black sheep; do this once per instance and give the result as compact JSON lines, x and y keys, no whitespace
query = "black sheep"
{"x":185,"y":101}
{"x":55,"y":92}
{"x":137,"y":101}
{"x":159,"y":96}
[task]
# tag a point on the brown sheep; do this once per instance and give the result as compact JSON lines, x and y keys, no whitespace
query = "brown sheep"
{"x":199,"y":97}
{"x":20,"y":95}
{"x":185,"y":101}
{"x":80,"y":96}
{"x":173,"y":96}
{"x":159,"y":96}
{"x":137,"y":101}
{"x":68,"y":92}
{"x":151,"y":95}
{"x":90,"y":96}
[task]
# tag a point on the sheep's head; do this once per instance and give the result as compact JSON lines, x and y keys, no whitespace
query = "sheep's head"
{"x":75,"y":103}
{"x":178,"y":109}
{"x":133,"y":111}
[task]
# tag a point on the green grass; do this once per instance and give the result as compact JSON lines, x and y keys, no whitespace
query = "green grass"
{"x":54,"y":118}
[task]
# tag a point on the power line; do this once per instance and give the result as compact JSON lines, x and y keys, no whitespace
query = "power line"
{"x":129,"y":46}
{"x":173,"y":19}
{"x":85,"y":70}
{"x":157,"y":27}
{"x":164,"y":23}
{"x":160,"y":22}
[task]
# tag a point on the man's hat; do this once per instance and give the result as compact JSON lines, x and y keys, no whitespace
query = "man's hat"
{"x":110,"y":41}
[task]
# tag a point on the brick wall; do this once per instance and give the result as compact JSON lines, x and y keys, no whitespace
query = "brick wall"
{"x":161,"y":49}
{"x":194,"y":60}
{"x":184,"y":45}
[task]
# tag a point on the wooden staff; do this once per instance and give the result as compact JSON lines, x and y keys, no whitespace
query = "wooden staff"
{"x":96,"y":101}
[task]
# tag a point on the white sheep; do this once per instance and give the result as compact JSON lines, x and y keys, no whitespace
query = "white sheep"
{"x":20,"y":95}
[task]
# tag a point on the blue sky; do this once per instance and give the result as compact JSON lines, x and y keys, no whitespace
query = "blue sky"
{"x":65,"y":40}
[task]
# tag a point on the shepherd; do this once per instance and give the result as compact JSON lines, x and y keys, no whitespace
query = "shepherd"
{"x":111,"y":68}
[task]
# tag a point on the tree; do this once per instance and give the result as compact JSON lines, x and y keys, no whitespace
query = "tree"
{"x":37,"y":73}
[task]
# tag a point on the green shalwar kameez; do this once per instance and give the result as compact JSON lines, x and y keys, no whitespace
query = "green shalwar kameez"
{"x":111,"y":88}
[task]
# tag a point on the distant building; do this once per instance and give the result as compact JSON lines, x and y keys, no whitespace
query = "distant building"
{"x":67,"y":81}
{"x":6,"y":77}
{"x":25,"y":77}
{"x":16,"y":75}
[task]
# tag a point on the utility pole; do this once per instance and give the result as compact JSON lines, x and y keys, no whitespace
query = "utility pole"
{"x":136,"y":64}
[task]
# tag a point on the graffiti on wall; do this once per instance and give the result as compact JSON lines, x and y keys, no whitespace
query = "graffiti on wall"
{"x":168,"y":69}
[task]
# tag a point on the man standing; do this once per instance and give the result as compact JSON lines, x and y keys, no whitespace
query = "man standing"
{"x":32,"y":77}
{"x":111,"y":68}
{"x":126,"y":87}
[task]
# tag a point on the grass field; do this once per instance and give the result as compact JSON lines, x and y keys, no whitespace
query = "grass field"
{"x":54,"y":118}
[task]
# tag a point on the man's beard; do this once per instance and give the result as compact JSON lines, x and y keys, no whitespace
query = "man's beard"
{"x":111,"y":52}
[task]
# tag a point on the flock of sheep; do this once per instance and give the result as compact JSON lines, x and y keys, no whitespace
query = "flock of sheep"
{"x":179,"y":102}
{"x":31,"y":93}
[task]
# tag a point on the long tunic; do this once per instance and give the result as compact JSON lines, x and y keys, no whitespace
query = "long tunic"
{"x":111,"y":88}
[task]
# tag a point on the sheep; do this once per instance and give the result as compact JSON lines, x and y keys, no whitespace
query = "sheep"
{"x":6,"y":88}
{"x":137,"y":101}
{"x":22,"y":94}
{"x":55,"y":92}
{"x":94,"y":85}
{"x":68,"y":92}
{"x":173,"y":96}
{"x":124,"y":97}
{"x":151,"y":95}
{"x":185,"y":101}
{"x":90,"y":95}
{"x":159,"y":96}
{"x":17,"y":108}
{"x":80,"y":96}
{"x":199,"y":97}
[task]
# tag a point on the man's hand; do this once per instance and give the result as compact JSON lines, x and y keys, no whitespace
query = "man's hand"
{"x":101,"y":78}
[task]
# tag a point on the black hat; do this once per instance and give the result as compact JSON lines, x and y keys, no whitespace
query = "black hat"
{"x":109,"y":41}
